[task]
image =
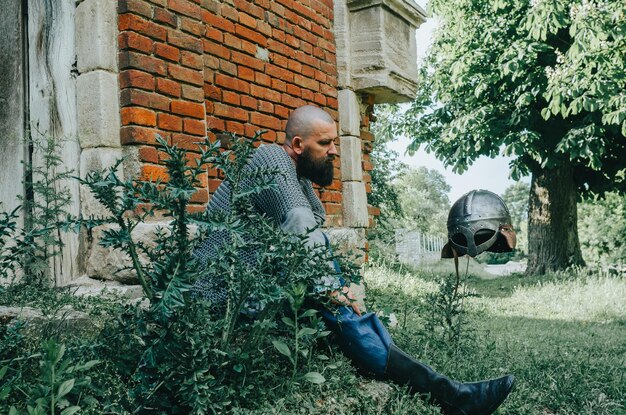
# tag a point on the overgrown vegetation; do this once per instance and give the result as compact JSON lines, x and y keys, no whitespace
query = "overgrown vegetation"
{"x":177,"y":353}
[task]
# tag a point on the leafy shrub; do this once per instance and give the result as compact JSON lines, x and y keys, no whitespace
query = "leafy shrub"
{"x":181,"y":355}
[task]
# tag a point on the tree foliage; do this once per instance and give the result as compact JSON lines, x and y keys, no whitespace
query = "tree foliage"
{"x":423,"y":196}
{"x":602,"y":226}
{"x":545,"y":80}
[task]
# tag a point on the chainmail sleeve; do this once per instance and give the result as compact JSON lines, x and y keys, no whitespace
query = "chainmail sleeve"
{"x":292,"y":203}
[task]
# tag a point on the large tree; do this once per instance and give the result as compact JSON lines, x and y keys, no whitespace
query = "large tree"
{"x":541,"y":80}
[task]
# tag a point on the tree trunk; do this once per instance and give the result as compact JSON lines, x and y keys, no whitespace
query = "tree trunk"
{"x":552,"y":221}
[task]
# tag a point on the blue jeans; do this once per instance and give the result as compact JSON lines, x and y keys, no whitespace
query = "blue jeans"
{"x":363,"y":339}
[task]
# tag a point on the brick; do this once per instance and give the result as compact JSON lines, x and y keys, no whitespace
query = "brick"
{"x":193,"y":93}
{"x":148,"y":154}
{"x":279,"y":60}
{"x":136,"y":79}
{"x":186,"y":141}
{"x":229,"y":82}
{"x":138,"y":116}
{"x":195,"y":127}
{"x":190,"y":109}
{"x":291,"y":102}
{"x":235,"y":127}
{"x":138,"y":24}
{"x":184,"y":41}
{"x":168,"y":87}
{"x":265,"y":93}
{"x":200,"y":196}
{"x":216,"y":49}
{"x":264,"y":28}
{"x":212,"y":92}
{"x":250,"y":8}
{"x":167,"y":52}
{"x":251,"y":35}
{"x":307,"y":95}
{"x":135,"y":41}
{"x":294,"y":90}
{"x":245,"y":73}
{"x":232,"y":98}
{"x":191,"y":60}
{"x":307,"y":71}
{"x":185,"y":7}
{"x":305,"y":82}
{"x":214,"y":34}
{"x":226,"y":111}
{"x":210,"y":62}
{"x":281,"y":111}
{"x":138,"y":135}
{"x":229,"y":12}
{"x":320,"y":99}
{"x":280,"y":73}
{"x":144,"y":99}
{"x":249,"y":102}
{"x":247,"y":60}
{"x":247,"y":20}
{"x":190,"y":76}
{"x":215,"y":124}
{"x":334,"y":197}
{"x":228,"y":67}
{"x":265,"y":106}
{"x":218,"y":22}
{"x":279,"y":85}
{"x":165,"y":16}
{"x":262,"y":79}
{"x":169,"y":122}
{"x":153,"y":173}
{"x":266,"y":121}
{"x":192,"y":26}
{"x":214,"y":184}
{"x":135,"y":6}
{"x":128,"y":60}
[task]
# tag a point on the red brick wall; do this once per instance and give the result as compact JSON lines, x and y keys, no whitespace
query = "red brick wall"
{"x":188,"y":67}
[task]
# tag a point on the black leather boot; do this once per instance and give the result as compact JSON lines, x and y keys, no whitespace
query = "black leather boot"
{"x":454,"y":398}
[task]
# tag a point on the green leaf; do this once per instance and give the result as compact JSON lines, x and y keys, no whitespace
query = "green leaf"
{"x":322,"y":357}
{"x":282,"y":348}
{"x":65,"y":388}
{"x":71,"y":410}
{"x":3,"y":371}
{"x":309,"y":313}
{"x":87,"y":365}
{"x":314,"y":377}
{"x":306,"y":331}
{"x":289,"y":322}
{"x":13,"y":411}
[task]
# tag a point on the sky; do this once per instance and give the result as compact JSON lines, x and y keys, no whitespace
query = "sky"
{"x":485,"y":173}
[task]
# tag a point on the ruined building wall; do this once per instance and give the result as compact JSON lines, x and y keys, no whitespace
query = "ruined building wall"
{"x":190,"y":68}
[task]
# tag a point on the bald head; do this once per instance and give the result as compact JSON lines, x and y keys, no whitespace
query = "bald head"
{"x":302,"y":121}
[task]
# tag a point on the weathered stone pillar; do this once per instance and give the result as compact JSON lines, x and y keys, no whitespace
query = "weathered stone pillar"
{"x":97,"y":92}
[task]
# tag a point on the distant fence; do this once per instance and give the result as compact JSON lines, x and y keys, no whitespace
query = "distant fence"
{"x":416,"y":248}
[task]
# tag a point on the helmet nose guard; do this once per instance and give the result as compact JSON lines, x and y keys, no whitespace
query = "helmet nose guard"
{"x":479,"y":221}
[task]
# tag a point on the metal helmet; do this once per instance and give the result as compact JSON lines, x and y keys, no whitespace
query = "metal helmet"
{"x":479,"y":221}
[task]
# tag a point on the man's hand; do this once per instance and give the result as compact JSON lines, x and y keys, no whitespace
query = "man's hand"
{"x":345,"y":297}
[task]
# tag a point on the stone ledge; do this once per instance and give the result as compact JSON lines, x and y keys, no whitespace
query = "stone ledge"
{"x":63,"y":319}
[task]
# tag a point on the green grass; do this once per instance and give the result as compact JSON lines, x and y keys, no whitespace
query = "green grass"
{"x":562,"y":336}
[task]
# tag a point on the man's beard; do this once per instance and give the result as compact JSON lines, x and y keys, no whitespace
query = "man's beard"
{"x":317,"y":171}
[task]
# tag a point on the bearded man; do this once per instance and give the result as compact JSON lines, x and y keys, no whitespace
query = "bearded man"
{"x":307,"y":156}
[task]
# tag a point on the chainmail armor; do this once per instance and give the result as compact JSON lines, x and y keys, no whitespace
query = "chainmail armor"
{"x":291,"y":192}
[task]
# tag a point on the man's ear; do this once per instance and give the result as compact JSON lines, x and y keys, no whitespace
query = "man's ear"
{"x":297,"y":144}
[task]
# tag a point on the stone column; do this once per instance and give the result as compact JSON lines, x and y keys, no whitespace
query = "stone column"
{"x":97,"y":92}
